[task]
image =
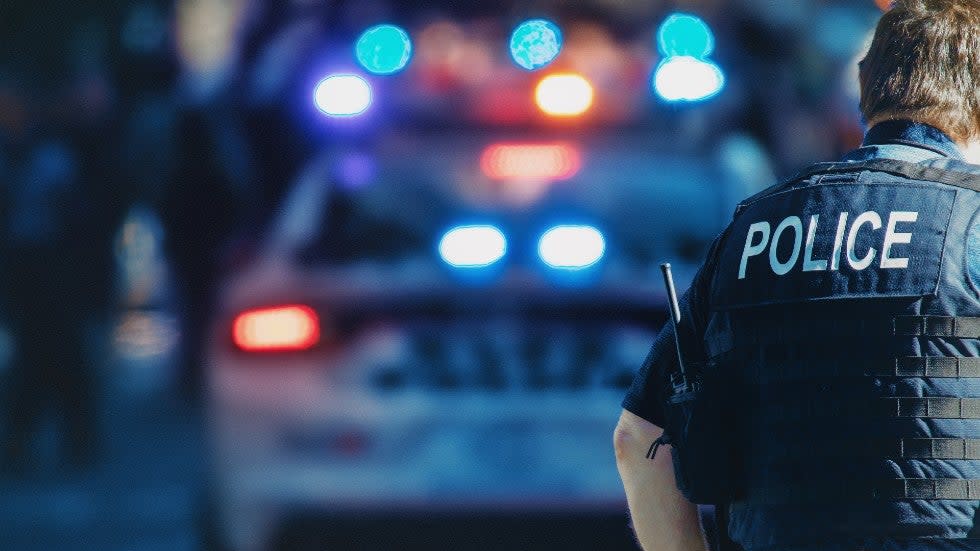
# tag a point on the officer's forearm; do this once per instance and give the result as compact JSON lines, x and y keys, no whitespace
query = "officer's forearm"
{"x":662,"y":518}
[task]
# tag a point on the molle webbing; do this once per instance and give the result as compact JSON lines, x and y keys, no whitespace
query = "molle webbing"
{"x":941,"y":367}
{"x":937,"y":326}
{"x":884,"y":448}
{"x":849,"y":490}
{"x":774,"y":330}
{"x":931,"y":366}
{"x":912,"y":171}
{"x":797,"y":410}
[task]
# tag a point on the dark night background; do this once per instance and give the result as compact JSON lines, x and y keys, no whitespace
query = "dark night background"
{"x":153,"y":156}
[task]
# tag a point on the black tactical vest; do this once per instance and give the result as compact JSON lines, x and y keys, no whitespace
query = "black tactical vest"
{"x":841,"y":399}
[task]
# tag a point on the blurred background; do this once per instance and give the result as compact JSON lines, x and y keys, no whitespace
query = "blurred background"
{"x":332,"y":274}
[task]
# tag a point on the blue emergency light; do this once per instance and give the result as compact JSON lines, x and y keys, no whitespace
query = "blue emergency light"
{"x":571,"y":247}
{"x":475,"y":246}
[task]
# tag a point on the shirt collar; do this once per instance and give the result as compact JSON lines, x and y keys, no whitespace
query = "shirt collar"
{"x":914,"y":134}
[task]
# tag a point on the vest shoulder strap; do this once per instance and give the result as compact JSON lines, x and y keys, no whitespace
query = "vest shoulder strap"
{"x":912,"y":171}
{"x":965,"y":177}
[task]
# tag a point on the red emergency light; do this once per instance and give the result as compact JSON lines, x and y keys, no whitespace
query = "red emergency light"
{"x":530,"y":161}
{"x":276,"y":329}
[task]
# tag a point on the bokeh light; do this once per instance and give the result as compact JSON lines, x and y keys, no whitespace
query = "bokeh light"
{"x":342,"y":95}
{"x":472,"y":246}
{"x":571,"y":247}
{"x":384,"y":49}
{"x":280,"y":328}
{"x":208,"y":32}
{"x":141,"y":335}
{"x":356,"y":169}
{"x":884,"y":5}
{"x":535,"y":43}
{"x":685,"y":78}
{"x":530,"y":161}
{"x":683,"y":34}
{"x":564,"y":95}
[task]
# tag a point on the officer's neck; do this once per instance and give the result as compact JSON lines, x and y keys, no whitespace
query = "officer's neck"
{"x":970,"y":151}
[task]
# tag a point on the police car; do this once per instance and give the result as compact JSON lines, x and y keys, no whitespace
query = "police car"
{"x":426,"y":333}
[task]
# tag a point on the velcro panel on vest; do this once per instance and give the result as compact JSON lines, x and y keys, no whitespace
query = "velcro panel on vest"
{"x":862,"y":490}
{"x":824,"y":242}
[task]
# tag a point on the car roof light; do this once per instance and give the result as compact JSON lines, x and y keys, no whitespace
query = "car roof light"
{"x":683,"y":34}
{"x":472,"y":246}
{"x":535,"y":43}
{"x":342,"y":95}
{"x":279,"y":328}
{"x":685,"y":78}
{"x":571,"y":247}
{"x":530,"y":161}
{"x":564,"y":95}
{"x":383,"y":49}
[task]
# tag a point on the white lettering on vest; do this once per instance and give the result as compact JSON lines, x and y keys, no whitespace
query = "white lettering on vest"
{"x":809,"y":264}
{"x":753,"y":250}
{"x":870,"y":217}
{"x":838,"y":242}
{"x":759,"y":233}
{"x":892,"y":237}
{"x":783,"y":268}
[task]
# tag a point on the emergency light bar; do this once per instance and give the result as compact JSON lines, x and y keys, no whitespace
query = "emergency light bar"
{"x":531,"y":161}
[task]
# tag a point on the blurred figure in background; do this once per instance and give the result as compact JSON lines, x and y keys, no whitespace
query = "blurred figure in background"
{"x":50,"y":365}
{"x":206,"y":122}
{"x":60,"y":211}
{"x":211,"y":191}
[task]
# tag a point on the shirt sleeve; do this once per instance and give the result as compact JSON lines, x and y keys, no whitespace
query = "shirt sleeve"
{"x":648,"y":393}
{"x":646,"y":396}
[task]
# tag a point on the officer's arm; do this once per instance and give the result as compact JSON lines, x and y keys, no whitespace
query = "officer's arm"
{"x":662,"y":518}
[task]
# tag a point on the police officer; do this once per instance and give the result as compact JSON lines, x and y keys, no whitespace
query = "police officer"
{"x":831,"y":392}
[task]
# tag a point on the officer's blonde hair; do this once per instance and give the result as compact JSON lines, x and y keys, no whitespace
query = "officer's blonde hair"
{"x":924,"y":65}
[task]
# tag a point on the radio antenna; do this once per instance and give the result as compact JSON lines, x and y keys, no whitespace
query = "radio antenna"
{"x":675,"y":312}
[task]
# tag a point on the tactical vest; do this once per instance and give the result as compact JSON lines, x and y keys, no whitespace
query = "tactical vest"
{"x":841,"y":399}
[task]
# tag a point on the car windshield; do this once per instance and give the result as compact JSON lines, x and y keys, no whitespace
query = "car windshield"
{"x":393,"y":201}
{"x":356,"y":229}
